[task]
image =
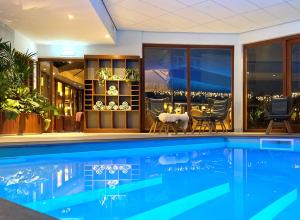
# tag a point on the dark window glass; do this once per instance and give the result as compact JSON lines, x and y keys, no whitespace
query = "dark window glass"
{"x":165,"y":77}
{"x":211,"y":72}
{"x":264,"y":80}
{"x":295,"y":72}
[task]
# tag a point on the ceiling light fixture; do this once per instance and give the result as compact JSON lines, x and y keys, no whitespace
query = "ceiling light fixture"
{"x":70,"y":16}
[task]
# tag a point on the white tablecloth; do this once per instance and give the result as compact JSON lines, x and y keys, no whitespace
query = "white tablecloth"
{"x":167,"y":117}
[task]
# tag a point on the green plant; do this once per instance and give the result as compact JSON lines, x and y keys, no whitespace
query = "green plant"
{"x":15,"y":97}
{"x":103,"y":74}
{"x":15,"y":67}
{"x":22,"y":100}
{"x":132,"y":74}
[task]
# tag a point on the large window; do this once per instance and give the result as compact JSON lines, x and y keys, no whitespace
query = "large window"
{"x":189,"y":76}
{"x":294,"y":70}
{"x":211,"y":76}
{"x":165,"y":75}
{"x":272,"y":69}
{"x":264,"y":80}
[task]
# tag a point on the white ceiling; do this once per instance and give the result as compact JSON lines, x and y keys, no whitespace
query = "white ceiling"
{"x":46,"y":21}
{"x":212,"y":16}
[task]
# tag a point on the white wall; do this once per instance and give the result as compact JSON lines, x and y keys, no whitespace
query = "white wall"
{"x":19,"y":41}
{"x":24,"y":44}
{"x":190,"y":38}
{"x":6,"y":33}
{"x":270,"y":32}
{"x":130,"y":43}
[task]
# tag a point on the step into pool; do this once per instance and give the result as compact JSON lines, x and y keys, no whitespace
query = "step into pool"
{"x":178,"y":178}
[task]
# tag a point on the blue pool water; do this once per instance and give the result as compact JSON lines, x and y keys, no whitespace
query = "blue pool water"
{"x":196,"y":178}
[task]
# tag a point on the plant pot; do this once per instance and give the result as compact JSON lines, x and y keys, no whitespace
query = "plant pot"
{"x":24,"y":124}
{"x":9,"y":126}
{"x":69,"y":123}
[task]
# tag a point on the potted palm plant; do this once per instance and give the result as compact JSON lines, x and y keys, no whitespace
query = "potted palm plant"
{"x":21,"y":110}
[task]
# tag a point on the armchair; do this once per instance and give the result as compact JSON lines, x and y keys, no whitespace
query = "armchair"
{"x":280,"y":114}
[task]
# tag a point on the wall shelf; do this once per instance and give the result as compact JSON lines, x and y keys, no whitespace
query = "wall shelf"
{"x":120,"y":120}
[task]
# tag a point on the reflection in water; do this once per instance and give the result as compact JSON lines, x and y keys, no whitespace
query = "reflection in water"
{"x":239,"y":183}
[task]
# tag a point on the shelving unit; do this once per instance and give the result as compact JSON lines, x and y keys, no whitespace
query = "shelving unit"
{"x":129,"y":91}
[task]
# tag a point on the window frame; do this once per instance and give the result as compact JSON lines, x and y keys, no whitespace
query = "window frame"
{"x":188,"y":48}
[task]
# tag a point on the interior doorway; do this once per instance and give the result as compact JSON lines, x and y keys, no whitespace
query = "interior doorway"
{"x":61,"y":80}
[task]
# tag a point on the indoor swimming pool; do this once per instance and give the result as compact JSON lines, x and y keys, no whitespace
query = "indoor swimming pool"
{"x":178,"y":178}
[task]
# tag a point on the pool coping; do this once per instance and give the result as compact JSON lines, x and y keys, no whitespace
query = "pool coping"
{"x":13,"y":211}
{"x":141,"y":136}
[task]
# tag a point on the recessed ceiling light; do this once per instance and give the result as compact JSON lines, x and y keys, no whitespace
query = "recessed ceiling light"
{"x":107,"y":36}
{"x":70,"y":16}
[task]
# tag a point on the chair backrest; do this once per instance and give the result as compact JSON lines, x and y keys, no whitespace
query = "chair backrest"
{"x":157,"y":105}
{"x":220,"y":105}
{"x":280,"y":106}
{"x":220,"y":108}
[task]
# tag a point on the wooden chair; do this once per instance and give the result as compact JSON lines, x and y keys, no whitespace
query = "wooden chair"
{"x":217,"y":114}
{"x":220,"y":112}
{"x":79,"y":121}
{"x":198,"y":121}
{"x":167,"y":126}
{"x":280,"y":114}
{"x":154,"y":108}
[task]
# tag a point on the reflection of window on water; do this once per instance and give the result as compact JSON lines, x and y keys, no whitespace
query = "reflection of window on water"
{"x":59,"y":178}
{"x":28,"y":184}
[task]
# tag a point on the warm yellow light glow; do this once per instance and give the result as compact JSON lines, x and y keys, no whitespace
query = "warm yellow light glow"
{"x":67,"y":91}
{"x":107,"y":36}
{"x":70,"y":16}
{"x":165,"y":106}
{"x":60,"y":88}
{"x":42,"y":81}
